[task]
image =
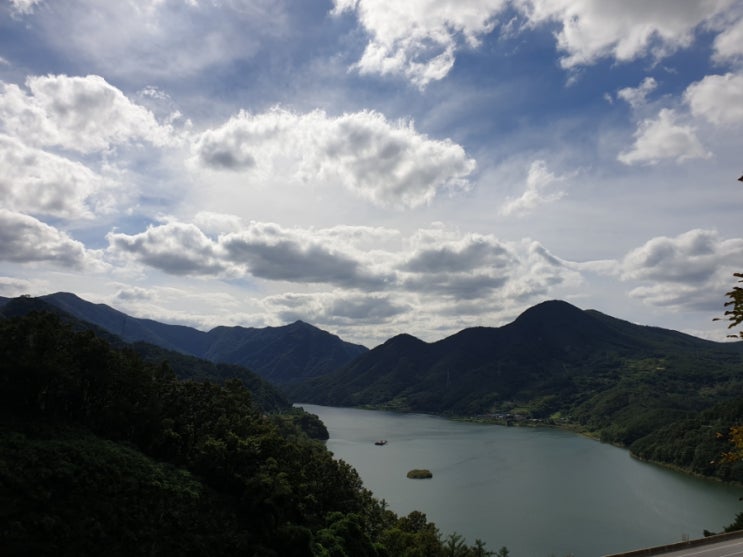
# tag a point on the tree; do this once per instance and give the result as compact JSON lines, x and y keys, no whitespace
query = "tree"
{"x":734,"y":315}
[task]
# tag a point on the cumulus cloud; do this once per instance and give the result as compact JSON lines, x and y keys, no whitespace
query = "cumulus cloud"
{"x":663,"y":138}
{"x":275,"y":254}
{"x":261,"y":250}
{"x":539,"y":183}
{"x":418,"y":39}
{"x":717,"y":98}
{"x":389,"y":164}
{"x":336,"y":308}
{"x":472,"y":266}
{"x":83,"y":114}
{"x":24,"y":239}
{"x":595,"y":29}
{"x":36,"y":182}
{"x":635,"y":96}
{"x":729,"y":43}
{"x":174,"y":248}
{"x":689,"y":270}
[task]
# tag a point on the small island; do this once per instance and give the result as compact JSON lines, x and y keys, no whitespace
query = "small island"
{"x":420,"y":474}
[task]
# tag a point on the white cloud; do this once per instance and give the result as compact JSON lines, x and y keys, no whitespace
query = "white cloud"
{"x":262,"y":250}
{"x":336,"y":308}
{"x":83,"y":114}
{"x":539,"y":182}
{"x":24,"y":239}
{"x":594,"y":29}
{"x":175,"y":248}
{"x":33,"y":181}
{"x":729,"y":43}
{"x":23,"y":7}
{"x":717,"y":98}
{"x":159,"y":40}
{"x":389,"y":164}
{"x":418,"y":38}
{"x":690,"y":270}
{"x":663,"y":138}
{"x":635,"y":96}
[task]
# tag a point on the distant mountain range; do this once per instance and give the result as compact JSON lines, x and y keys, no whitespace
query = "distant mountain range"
{"x":279,"y":354}
{"x":549,"y":359}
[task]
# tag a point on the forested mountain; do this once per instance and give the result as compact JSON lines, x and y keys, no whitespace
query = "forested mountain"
{"x":558,"y":364}
{"x":103,"y":453}
{"x":265,"y":395}
{"x":279,"y":354}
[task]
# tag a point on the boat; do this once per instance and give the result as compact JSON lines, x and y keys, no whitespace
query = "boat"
{"x":381,"y":442}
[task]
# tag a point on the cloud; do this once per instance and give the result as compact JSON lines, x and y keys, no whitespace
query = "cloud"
{"x":662,"y":138}
{"x":729,"y":43}
{"x":418,"y":39}
{"x":336,"y":308}
{"x":692,"y":257}
{"x":23,"y":7}
{"x":635,"y":96}
{"x":595,"y":29}
{"x":271,"y":253}
{"x":40,"y":183}
{"x":83,"y":114}
{"x":24,"y":239}
{"x":538,"y":182}
{"x":690,"y":270}
{"x":174,"y":248}
{"x":471,"y":267}
{"x":717,"y":98}
{"x":157,"y":41}
{"x":389,"y":164}
{"x":261,"y":250}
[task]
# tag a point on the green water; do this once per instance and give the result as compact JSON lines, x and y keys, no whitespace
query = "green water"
{"x":538,"y":491}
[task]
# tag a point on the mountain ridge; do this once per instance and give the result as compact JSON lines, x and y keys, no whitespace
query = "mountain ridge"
{"x":280,"y":354}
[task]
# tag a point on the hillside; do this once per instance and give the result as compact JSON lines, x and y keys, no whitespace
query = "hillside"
{"x":265,"y":395}
{"x":280,"y":354}
{"x":102,"y":453}
{"x":555,"y":364}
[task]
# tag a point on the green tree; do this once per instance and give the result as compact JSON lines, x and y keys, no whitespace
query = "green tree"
{"x":734,"y":315}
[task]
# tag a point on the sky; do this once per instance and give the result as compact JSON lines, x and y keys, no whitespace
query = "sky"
{"x":374,"y":167}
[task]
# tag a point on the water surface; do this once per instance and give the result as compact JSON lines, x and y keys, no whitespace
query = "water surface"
{"x":538,"y":491}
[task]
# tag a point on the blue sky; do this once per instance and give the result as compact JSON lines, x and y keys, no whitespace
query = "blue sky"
{"x":374,"y":167}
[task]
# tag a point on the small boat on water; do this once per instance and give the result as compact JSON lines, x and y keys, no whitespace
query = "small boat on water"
{"x":381,"y":442}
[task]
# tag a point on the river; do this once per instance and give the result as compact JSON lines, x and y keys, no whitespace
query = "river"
{"x":540,"y":492}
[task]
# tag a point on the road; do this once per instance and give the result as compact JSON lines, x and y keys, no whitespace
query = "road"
{"x":723,"y":545}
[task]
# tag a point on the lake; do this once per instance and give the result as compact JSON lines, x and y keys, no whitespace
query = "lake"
{"x":541,"y":492}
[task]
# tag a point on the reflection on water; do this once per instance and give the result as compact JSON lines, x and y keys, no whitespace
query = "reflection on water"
{"x":538,"y":491}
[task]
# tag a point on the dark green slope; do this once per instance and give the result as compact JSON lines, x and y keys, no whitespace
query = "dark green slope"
{"x":130,"y":329}
{"x":284,"y":354}
{"x":265,"y":395}
{"x":280,"y":354}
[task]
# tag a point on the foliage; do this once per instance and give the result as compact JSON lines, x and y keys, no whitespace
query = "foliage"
{"x":734,"y":315}
{"x":104,"y":452}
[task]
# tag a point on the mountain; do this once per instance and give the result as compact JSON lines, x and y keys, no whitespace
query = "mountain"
{"x":280,"y":354}
{"x":554,"y":361}
{"x":668,"y":397}
{"x":265,"y":395}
